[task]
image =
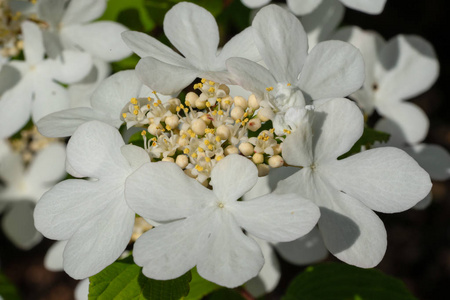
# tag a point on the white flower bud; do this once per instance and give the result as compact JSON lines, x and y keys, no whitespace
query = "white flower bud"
{"x":198,"y":126}
{"x":223,"y":131}
{"x":276,"y":149}
{"x":258,"y":158}
{"x":276,"y":161}
{"x":263,"y":170}
{"x":168,"y":158}
{"x":253,"y":102}
{"x":191,"y":97}
{"x":224,"y":102}
{"x":200,"y":103}
{"x":246,"y":148}
{"x":265,"y":114}
{"x":182,"y":161}
{"x":206,"y":119}
{"x":231,"y":150}
{"x":183,"y":142}
{"x":237,"y":113}
{"x":240,"y":101}
{"x":254,"y":124}
{"x":224,"y":88}
{"x":172,"y":121}
{"x":154,"y":129}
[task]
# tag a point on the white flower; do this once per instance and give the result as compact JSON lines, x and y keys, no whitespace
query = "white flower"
{"x":331,"y":69}
{"x":206,"y":224}
{"x":23,"y":187}
{"x":396,"y":70}
{"x":303,"y":7}
{"x":384,"y":179}
{"x":193,"y":31}
{"x":92,"y":215}
{"x":36,"y":93}
{"x":70,"y":26}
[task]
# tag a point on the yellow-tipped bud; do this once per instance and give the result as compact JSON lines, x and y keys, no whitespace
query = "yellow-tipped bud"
{"x":198,"y":127}
{"x":223,"y":131}
{"x":237,"y":113}
{"x":182,"y":161}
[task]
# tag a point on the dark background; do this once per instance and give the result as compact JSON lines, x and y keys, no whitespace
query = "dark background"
{"x":418,"y":241}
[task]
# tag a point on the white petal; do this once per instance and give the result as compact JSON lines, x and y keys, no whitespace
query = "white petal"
{"x":194,"y":32}
{"x":12,"y":114}
{"x":407,"y":67}
{"x":232,"y":177}
{"x":33,"y":44}
{"x":162,"y":192}
{"x":305,"y":250}
{"x":49,"y":97}
{"x":276,"y":218}
{"x":251,"y":76}
{"x":82,"y":11}
{"x":240,"y":45}
{"x":368,"y":6}
{"x":101,"y":39}
{"x":406,"y":122}
{"x":64,"y":123}
{"x":51,"y":11}
{"x":169,"y":79}
{"x":72,"y":66}
{"x":337,"y":125}
{"x":297,"y":147}
{"x":136,"y":156}
{"x":19,"y":227}
{"x":282,"y":42}
{"x":53,"y":260}
{"x":255,"y":3}
{"x":270,"y":274}
{"x":303,"y":7}
{"x":424,"y":203}
{"x":332,"y":69}
{"x":229,"y":257}
{"x":434,"y":159}
{"x":94,"y":151}
{"x":385,"y":179}
{"x":82,"y":290}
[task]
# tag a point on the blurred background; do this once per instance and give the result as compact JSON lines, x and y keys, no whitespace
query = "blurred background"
{"x":418,"y":241}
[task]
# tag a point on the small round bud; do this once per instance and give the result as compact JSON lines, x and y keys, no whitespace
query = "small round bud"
{"x":253,"y":102}
{"x":237,"y":113}
{"x":246,"y":148}
{"x":254,"y":124}
{"x":182,"y":161}
{"x":183,"y":142}
{"x":240,"y":101}
{"x":226,"y":102}
{"x":223,"y":131}
{"x":154,"y":129}
{"x":231,"y":150}
{"x":265,"y":114}
{"x":200,"y":103}
{"x":168,"y":158}
{"x":263,"y":170}
{"x":191,"y":97}
{"x":224,"y":88}
{"x":276,"y":161}
{"x":276,"y":149}
{"x":198,"y":126}
{"x":258,"y":158}
{"x":206,"y":119}
{"x":172,"y":121}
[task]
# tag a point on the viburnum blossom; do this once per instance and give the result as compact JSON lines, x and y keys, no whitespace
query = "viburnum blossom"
{"x":304,"y":7}
{"x":91,"y":214}
{"x":347,"y":190}
{"x":295,"y":77}
{"x":194,"y":32}
{"x":204,"y":228}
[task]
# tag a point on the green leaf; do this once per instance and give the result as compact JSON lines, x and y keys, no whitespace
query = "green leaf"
{"x":7,"y":290}
{"x":368,"y":139}
{"x":124,"y":280}
{"x":131,"y":13}
{"x":337,"y":281}
{"x":200,"y":287}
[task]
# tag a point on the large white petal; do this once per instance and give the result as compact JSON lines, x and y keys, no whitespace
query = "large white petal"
{"x":194,"y":32}
{"x":434,"y":159}
{"x":240,"y":45}
{"x":168,"y":79}
{"x":83,"y":11}
{"x":162,"y":192}
{"x":53,"y":259}
{"x":303,"y":7}
{"x":228,"y":257}
{"x":332,"y":69}
{"x":368,"y":6}
{"x":49,"y":97}
{"x":276,"y":218}
{"x":407,"y":67}
{"x":51,"y":11}
{"x":82,"y":290}
{"x":385,"y":179}
{"x":297,"y":147}
{"x":33,"y":43}
{"x":101,"y":39}
{"x":232,"y":177}
{"x":282,"y":42}
{"x":71,"y":66}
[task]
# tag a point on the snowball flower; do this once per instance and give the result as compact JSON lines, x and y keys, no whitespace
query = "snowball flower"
{"x":194,"y":32}
{"x":303,"y":7}
{"x":92,"y":215}
{"x":347,"y":190}
{"x":205,"y":225}
{"x":294,"y":76}
{"x":396,"y":70}
{"x":23,"y":187}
